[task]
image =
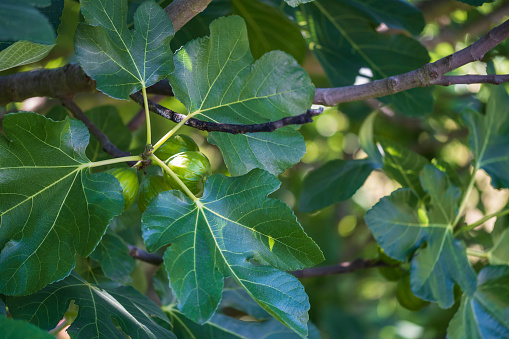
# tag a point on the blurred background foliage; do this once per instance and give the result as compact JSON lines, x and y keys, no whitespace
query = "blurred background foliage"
{"x":362,"y":304}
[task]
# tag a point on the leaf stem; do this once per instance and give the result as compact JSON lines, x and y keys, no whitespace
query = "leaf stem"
{"x":111,"y":161}
{"x":147,"y":116}
{"x":175,"y":177}
{"x":482,"y":221}
{"x":465,"y":197}
{"x":60,"y":327}
{"x":173,"y":130}
{"x":478,"y":254}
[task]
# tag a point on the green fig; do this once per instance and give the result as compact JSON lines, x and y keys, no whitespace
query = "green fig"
{"x":128,"y":181}
{"x":193,"y":168}
{"x":176,"y":144}
{"x":151,"y":186}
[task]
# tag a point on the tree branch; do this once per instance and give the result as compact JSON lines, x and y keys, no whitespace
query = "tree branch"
{"x":106,"y":144}
{"x":341,"y":268}
{"x":271,"y":126}
{"x":427,"y":75}
{"x":181,"y":11}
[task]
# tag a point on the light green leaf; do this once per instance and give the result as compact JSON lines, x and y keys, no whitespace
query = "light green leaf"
{"x":101,"y":310}
{"x":22,"y":53}
{"x":476,"y":2}
{"x":499,"y":254}
{"x":51,"y":206}
{"x":222,"y":326}
{"x":295,"y":3}
{"x":122,"y":61}
{"x":113,"y":255}
{"x":15,"y":329}
{"x":367,"y":142}
{"x":343,"y":37}
{"x":216,"y":79}
{"x":107,"y":119}
{"x":484,"y":315}
{"x":401,"y":224}
{"x":228,"y":232}
{"x":20,"y":20}
{"x":489,"y":136}
{"x":336,"y":181}
{"x":402,"y":165}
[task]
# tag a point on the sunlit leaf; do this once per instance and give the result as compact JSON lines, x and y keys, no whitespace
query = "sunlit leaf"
{"x":476,"y":2}
{"x":489,"y":136}
{"x":227,"y":233}
{"x":215,"y":78}
{"x":336,"y":181}
{"x":101,"y":310}
{"x":499,"y":254}
{"x":22,"y":53}
{"x":120,"y":60}
{"x":485,"y":314}
{"x":51,"y":206}
{"x":404,"y":226}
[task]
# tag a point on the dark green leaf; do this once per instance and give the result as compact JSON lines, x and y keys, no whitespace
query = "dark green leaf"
{"x":51,"y":207}
{"x":489,"y":136}
{"x":402,"y":226}
{"x":3,"y":311}
{"x":15,"y":329}
{"x":484,"y":315}
{"x":402,"y":165}
{"x":122,"y":61}
{"x":22,"y":53}
{"x":216,"y":79}
{"x":224,"y":325}
{"x":476,"y":2}
{"x":113,"y":255}
{"x":233,"y":230}
{"x":100,"y":310}
{"x":397,"y":14}
{"x":336,"y":181}
{"x":107,"y":119}
{"x":20,"y":20}
{"x":343,"y":37}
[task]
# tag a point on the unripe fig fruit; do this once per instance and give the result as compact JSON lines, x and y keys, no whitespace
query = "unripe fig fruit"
{"x":176,"y":144}
{"x":193,"y":168}
{"x":128,"y":181}
{"x":151,"y":186}
{"x":406,"y":297}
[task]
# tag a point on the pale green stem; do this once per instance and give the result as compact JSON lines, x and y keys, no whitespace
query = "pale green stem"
{"x":174,"y":129}
{"x":478,"y":254}
{"x":147,"y":116}
{"x":111,"y":161}
{"x":482,"y":221}
{"x":174,"y":177}
{"x":464,"y":200}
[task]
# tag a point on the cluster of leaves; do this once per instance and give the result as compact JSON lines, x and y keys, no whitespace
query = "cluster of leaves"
{"x":231,"y":248}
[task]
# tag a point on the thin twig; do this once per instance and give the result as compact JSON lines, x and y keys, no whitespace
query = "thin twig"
{"x":341,"y":268}
{"x":271,"y":126}
{"x":106,"y":144}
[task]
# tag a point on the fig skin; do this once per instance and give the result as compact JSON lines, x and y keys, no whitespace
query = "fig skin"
{"x":176,"y":144}
{"x":192,"y":167}
{"x":150,"y":187}
{"x":128,"y":180}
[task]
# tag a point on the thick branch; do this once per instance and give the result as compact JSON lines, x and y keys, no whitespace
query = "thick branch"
{"x":106,"y":144}
{"x":495,"y":79}
{"x":151,"y":258}
{"x":427,"y":75}
{"x":181,"y":11}
{"x":271,"y":126}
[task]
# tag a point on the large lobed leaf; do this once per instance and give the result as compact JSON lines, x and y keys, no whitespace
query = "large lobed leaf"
{"x":485,"y":314}
{"x":343,"y":37}
{"x":233,"y":230}
{"x":402,"y":225}
{"x":51,"y":207}
{"x":489,"y":137}
{"x":216,"y":79}
{"x":120,"y":60}
{"x":101,"y":310}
